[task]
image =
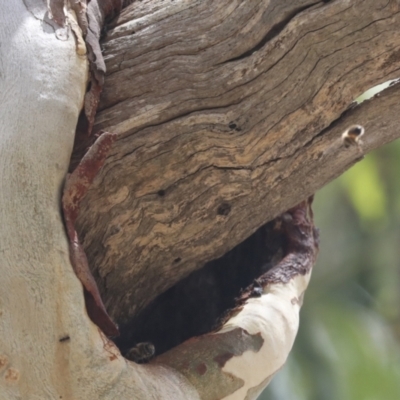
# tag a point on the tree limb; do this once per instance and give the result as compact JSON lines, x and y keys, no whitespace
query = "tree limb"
{"x":221,"y":114}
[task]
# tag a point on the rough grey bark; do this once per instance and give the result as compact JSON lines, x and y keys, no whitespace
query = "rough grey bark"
{"x":224,"y":114}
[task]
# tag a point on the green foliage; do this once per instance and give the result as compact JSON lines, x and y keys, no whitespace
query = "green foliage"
{"x":366,"y":193}
{"x":348,"y":347}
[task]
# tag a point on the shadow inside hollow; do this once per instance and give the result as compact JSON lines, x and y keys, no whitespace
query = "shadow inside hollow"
{"x":195,"y":305}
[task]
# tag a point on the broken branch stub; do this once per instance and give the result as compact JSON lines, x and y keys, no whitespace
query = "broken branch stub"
{"x":238,"y":360}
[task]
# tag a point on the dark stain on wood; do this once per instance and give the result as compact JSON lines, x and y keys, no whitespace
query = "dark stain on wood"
{"x":65,"y":338}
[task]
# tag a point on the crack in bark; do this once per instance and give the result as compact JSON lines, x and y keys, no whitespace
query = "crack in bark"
{"x":240,"y":57}
{"x":243,"y":84}
{"x":275,"y":30}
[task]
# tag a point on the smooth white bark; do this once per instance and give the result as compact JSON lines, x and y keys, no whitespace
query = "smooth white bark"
{"x":42,"y":86}
{"x":275,"y":315}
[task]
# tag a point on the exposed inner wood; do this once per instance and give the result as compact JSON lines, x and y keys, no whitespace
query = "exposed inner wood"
{"x":224,"y":113}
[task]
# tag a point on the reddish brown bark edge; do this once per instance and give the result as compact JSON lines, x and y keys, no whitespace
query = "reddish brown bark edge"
{"x":98,"y":11}
{"x":302,"y":245}
{"x":302,"y":240}
{"x":92,"y":18}
{"x":76,"y":186}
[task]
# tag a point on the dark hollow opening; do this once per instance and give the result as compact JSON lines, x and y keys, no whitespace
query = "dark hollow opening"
{"x":196,"y":304}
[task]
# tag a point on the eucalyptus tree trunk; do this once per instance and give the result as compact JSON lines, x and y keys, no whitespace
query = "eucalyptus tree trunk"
{"x":213,"y":123}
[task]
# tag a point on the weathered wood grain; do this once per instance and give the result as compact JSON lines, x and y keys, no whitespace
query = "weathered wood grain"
{"x":221,"y":110}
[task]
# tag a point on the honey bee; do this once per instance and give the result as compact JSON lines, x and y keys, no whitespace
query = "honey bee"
{"x":141,"y":353}
{"x":351,"y":136}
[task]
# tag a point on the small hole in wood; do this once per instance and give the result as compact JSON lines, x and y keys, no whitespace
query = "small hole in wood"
{"x":161,"y":193}
{"x":232,"y":125}
{"x":224,"y":209}
{"x":177,"y":260}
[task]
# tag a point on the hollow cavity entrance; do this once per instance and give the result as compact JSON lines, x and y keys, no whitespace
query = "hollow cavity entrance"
{"x":197,"y":304}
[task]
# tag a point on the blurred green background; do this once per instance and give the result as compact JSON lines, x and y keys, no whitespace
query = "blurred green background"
{"x":348,"y":346}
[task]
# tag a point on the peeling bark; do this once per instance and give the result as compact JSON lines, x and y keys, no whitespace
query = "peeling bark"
{"x":97,"y":13}
{"x":76,"y":186}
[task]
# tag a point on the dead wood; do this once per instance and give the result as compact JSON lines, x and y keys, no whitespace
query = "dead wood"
{"x":227,"y":113}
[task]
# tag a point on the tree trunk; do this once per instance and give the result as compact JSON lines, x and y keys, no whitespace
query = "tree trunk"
{"x":225,"y":115}
{"x":43,"y":82}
